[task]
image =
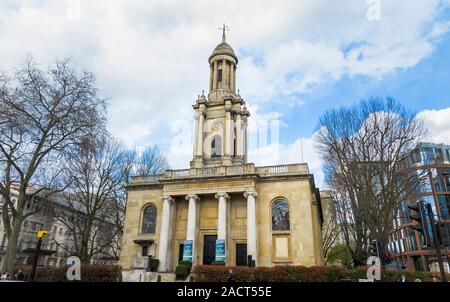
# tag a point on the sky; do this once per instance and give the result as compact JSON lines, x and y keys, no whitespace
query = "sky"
{"x":296,"y":60}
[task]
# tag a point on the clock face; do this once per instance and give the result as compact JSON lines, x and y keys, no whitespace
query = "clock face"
{"x":216,"y":125}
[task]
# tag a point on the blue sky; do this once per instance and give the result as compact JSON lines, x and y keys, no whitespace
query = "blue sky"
{"x":297,"y":58}
{"x":423,"y":86}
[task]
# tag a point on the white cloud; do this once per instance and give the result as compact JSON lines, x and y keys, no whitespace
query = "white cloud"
{"x":438,"y":123}
{"x":150,"y":57}
{"x":300,"y":151}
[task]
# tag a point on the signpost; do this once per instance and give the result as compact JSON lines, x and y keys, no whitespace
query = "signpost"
{"x":436,"y":243}
{"x":39,"y":234}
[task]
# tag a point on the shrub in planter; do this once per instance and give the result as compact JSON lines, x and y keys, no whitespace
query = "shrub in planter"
{"x":188,"y":264}
{"x":153,"y":264}
{"x":182,"y":271}
{"x":220,"y":263}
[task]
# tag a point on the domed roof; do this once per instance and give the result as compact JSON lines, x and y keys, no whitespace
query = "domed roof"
{"x":223,"y":49}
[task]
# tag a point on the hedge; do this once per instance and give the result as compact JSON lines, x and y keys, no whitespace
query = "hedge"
{"x":89,"y":273}
{"x":285,"y":273}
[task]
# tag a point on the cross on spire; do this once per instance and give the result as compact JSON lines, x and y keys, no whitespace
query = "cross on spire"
{"x":223,"y":29}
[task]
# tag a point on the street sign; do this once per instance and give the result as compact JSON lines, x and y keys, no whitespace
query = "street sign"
{"x":41,"y":234}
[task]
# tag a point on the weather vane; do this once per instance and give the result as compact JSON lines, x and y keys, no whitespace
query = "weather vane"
{"x":223,"y":29}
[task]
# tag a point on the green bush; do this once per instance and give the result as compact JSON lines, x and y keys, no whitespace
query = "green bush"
{"x":334,"y":274}
{"x":357,"y":273}
{"x":182,"y":271}
{"x":154,"y":263}
{"x":290,"y":273}
{"x":188,"y":264}
{"x":219,"y":263}
{"x":89,"y":273}
{"x":211,"y":273}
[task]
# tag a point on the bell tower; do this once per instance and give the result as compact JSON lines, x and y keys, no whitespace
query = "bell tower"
{"x":222,"y":65}
{"x":220,"y":118}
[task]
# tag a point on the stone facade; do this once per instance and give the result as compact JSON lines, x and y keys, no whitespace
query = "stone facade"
{"x":224,"y":207}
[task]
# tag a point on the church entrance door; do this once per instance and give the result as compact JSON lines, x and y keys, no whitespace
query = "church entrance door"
{"x":209,"y":249}
{"x":241,"y":254}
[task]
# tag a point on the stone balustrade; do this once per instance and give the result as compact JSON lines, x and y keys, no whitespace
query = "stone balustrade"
{"x":265,"y":171}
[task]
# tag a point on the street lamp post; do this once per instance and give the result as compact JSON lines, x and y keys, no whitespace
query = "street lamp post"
{"x":39,"y":234}
{"x":436,"y":243}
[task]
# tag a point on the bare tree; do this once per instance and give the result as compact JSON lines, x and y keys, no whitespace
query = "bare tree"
{"x":43,"y":116}
{"x":95,"y":174}
{"x":98,"y":174}
{"x":330,"y":229}
{"x":364,"y":148}
{"x":150,"y":161}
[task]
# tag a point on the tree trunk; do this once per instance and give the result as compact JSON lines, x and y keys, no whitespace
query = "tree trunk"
{"x":84,"y":248}
{"x":11,"y":250}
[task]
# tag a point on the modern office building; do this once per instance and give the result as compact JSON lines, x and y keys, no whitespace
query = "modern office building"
{"x":432,"y":162}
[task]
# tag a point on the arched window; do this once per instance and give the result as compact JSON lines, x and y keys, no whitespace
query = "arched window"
{"x":216,"y":146}
{"x":149,"y":219}
{"x":280,"y":215}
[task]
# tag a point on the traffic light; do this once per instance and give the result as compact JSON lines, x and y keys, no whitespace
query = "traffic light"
{"x":443,"y":233}
{"x":387,"y":258}
{"x":374,"y":248}
{"x":419,"y":215}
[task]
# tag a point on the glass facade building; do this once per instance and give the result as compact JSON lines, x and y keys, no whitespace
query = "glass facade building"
{"x":430,"y":162}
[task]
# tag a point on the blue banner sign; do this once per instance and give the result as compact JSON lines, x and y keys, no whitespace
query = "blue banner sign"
{"x":220,"y":250}
{"x":187,"y":250}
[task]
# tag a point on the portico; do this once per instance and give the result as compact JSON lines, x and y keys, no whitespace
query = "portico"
{"x":192,"y":249}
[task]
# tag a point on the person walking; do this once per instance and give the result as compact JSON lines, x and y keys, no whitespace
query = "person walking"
{"x":231,"y":277}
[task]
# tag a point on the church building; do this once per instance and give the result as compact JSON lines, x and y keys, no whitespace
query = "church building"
{"x":222,"y":208}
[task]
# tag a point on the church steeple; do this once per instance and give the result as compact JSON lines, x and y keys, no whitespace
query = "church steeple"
{"x":221,"y":118}
{"x":222,"y":64}
{"x":224,"y":28}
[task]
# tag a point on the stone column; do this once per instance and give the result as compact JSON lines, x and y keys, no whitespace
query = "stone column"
{"x":215,"y":68}
{"x":232,"y":88}
{"x":228,"y":128}
{"x":224,"y":74}
{"x":195,"y":143}
{"x":222,"y":216}
{"x":234,"y":78}
{"x":200,"y":134}
{"x":252,"y":245}
{"x":222,"y":227}
{"x":238,"y":135}
{"x":245,"y":140}
{"x":164,"y":234}
{"x":211,"y":78}
{"x":192,"y":222}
